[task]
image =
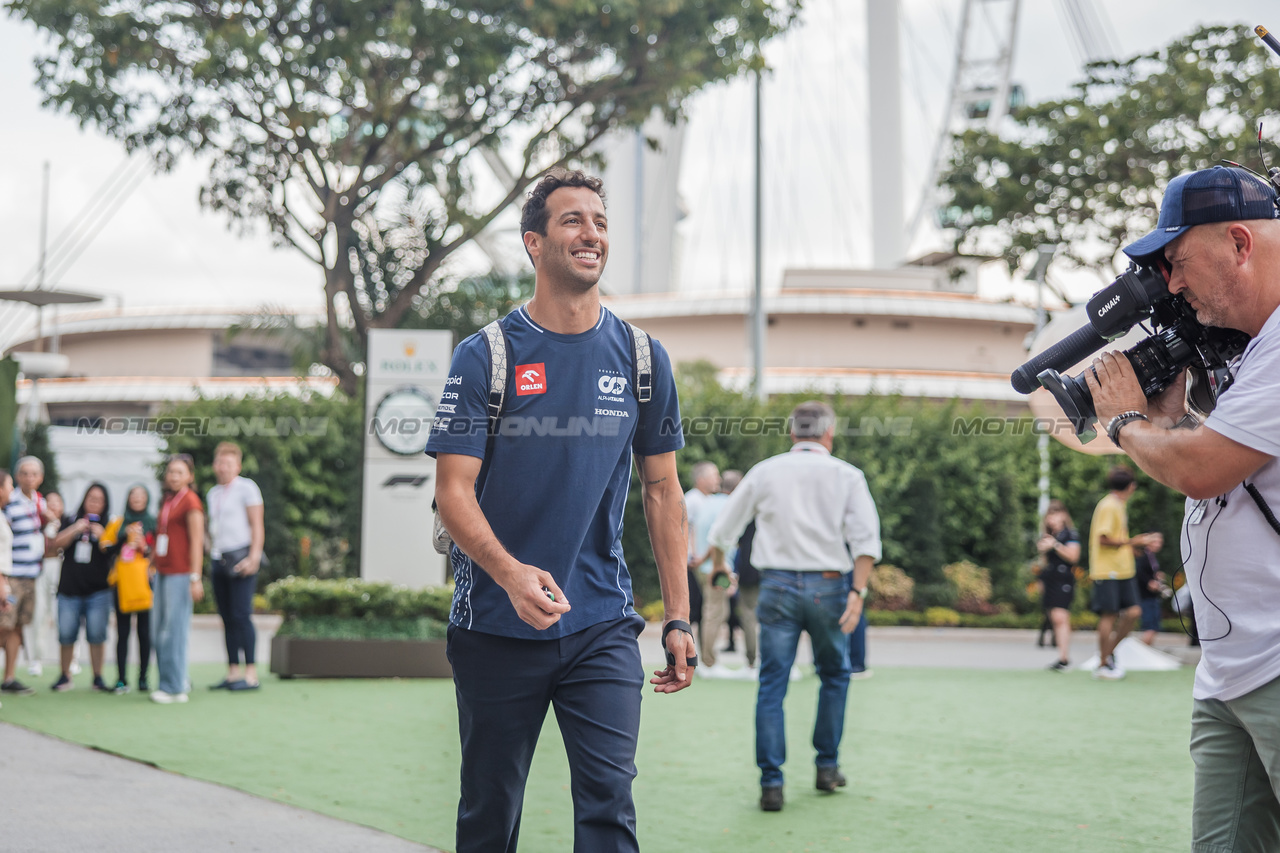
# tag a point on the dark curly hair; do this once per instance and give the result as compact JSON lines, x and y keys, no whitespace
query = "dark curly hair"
{"x":533,"y":216}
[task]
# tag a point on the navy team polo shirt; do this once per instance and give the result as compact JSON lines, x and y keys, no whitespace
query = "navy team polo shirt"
{"x":555,"y":484}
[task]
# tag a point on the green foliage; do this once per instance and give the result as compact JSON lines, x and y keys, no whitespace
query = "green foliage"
{"x":973,"y":587}
{"x":349,"y":598}
{"x":379,"y":114}
{"x":653,"y":611}
{"x":471,"y":304}
{"x":945,"y":492}
{"x":304,"y":452}
{"x":352,"y":628}
{"x":1087,"y":171}
{"x":941,"y":617}
{"x":35,"y":442}
{"x":890,"y":588}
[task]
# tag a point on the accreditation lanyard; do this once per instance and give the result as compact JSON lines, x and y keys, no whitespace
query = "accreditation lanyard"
{"x":162,"y":537}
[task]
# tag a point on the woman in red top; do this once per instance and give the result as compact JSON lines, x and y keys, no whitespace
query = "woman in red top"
{"x":179,"y":562}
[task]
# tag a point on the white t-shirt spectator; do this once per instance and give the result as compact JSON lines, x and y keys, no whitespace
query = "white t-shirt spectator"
{"x":228,"y":514}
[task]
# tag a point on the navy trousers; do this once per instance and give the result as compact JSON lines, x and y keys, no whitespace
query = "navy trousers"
{"x":504,"y":686}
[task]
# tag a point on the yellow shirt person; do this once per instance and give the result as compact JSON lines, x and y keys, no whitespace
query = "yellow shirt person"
{"x":1110,"y":519}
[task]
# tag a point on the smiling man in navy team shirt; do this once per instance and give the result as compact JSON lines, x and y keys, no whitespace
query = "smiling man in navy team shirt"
{"x":542,"y":612}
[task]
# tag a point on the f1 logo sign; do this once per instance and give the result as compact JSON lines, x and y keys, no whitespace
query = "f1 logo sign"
{"x":612,"y":385}
{"x":531,"y":379}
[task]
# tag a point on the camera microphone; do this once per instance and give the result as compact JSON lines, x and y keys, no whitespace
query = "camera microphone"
{"x":1268,"y":39}
{"x":1066,"y":352}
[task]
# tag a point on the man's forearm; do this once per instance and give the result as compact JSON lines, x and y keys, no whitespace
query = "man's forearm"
{"x":471,"y":532}
{"x":862,"y":567}
{"x":668,"y":521}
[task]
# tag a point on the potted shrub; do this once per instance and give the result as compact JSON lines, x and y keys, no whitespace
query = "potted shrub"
{"x":350,"y":628}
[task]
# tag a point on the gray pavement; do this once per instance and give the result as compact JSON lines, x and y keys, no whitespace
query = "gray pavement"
{"x":74,"y":798}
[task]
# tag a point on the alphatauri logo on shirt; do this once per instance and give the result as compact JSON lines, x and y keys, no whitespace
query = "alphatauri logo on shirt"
{"x":531,"y":379}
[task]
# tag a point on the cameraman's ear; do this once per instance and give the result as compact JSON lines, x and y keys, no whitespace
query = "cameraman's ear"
{"x":1241,"y":241}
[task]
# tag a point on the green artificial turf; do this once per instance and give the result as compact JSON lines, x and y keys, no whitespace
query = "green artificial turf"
{"x":937,"y":760}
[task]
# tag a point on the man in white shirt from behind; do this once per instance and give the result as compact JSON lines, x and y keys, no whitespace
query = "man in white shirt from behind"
{"x":812,"y":512}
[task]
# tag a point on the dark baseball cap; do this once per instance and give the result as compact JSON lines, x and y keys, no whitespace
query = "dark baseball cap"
{"x":1220,"y":194}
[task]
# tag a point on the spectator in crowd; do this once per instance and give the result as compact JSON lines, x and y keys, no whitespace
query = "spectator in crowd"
{"x":716,"y":586}
{"x":1111,"y":568}
{"x":236,"y":536}
{"x":27,"y":515}
{"x":706,"y":482}
{"x":1059,"y":547}
{"x":44,"y":623}
{"x":748,"y":597}
{"x":815,"y":520}
{"x":6,"y":547}
{"x":84,"y":596}
{"x":179,"y":562}
{"x":132,"y":536}
{"x":1151,"y":585}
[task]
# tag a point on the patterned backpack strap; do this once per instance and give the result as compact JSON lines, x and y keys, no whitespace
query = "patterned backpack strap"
{"x":643,"y":363}
{"x":497,"y":343}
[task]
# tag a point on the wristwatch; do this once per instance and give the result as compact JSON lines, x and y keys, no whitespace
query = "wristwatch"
{"x":197,"y":578}
{"x":861,"y":593}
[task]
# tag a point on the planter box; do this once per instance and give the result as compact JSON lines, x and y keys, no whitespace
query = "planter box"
{"x":292,"y":656}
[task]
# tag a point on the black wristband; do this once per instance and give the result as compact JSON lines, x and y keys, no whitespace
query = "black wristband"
{"x":677,"y":625}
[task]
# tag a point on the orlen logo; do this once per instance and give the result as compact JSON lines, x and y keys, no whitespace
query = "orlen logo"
{"x":612,"y":385}
{"x":531,"y":379}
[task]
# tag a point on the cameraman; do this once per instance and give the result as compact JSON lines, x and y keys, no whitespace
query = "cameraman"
{"x":1218,"y":243}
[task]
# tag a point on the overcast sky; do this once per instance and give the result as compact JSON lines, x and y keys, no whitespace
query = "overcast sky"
{"x":161,"y":248}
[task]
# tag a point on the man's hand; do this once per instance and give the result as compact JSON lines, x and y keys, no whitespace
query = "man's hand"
{"x":524,"y":586}
{"x":852,"y":614}
{"x":247,"y":566}
{"x":680,"y":675}
{"x":1114,"y":387}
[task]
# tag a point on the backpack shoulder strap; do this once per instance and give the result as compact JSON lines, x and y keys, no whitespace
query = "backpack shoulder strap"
{"x":643,"y":381}
{"x":497,"y":343}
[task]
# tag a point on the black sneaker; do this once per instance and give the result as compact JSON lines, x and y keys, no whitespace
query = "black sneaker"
{"x":63,"y":684}
{"x":829,"y":778}
{"x":143,"y":686}
{"x":16,"y":688}
{"x":1059,"y":666}
{"x":99,"y":685}
{"x":771,"y":798}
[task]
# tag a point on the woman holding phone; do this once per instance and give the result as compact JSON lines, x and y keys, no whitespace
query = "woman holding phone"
{"x":84,"y":596}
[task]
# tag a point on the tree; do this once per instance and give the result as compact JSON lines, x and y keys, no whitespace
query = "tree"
{"x":1088,"y":171}
{"x":356,"y":129}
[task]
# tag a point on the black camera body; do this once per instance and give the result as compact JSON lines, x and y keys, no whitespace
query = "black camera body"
{"x":1177,"y":341}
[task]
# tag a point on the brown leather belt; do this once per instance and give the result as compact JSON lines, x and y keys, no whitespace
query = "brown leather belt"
{"x":830,"y":575}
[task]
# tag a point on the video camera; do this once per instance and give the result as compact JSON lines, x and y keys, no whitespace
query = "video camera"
{"x":1177,"y":341}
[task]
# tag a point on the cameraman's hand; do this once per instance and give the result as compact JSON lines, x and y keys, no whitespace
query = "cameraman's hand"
{"x":1167,"y":408}
{"x":1114,"y":387}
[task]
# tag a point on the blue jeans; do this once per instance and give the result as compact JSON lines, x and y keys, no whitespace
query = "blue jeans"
{"x":90,"y":610}
{"x":791,"y":602}
{"x":504,"y":686}
{"x":170,"y":628}
{"x":858,"y":645}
